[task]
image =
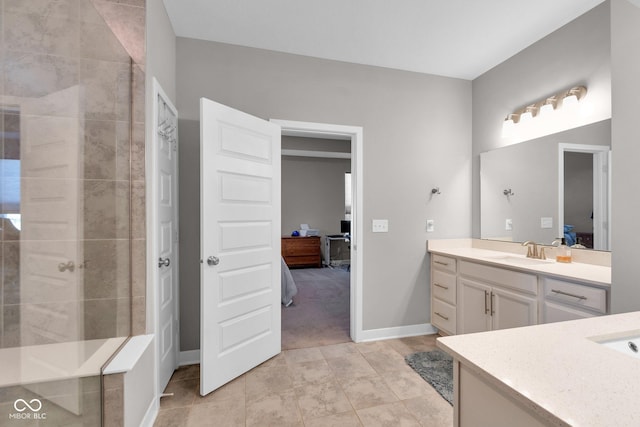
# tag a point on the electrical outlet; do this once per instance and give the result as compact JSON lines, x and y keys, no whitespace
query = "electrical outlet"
{"x":380,"y":226}
{"x":431,"y":225}
{"x":546,"y":222}
{"x":508,"y":224}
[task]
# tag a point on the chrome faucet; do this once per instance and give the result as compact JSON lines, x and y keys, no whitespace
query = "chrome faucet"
{"x":532,"y":250}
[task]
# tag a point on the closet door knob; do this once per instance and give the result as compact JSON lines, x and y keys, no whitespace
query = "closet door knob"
{"x":213,"y":260}
{"x":163,"y":262}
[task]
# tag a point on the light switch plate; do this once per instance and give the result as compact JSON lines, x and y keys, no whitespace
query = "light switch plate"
{"x":431,"y":225}
{"x":508,"y":224}
{"x":546,"y":222}
{"x":380,"y":225}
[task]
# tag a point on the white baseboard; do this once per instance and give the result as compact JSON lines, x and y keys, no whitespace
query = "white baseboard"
{"x":192,"y":357}
{"x":151,"y":415}
{"x":189,"y":357}
{"x":397,"y":332}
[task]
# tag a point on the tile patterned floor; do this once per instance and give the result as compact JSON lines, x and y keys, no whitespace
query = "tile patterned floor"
{"x":348,"y":384}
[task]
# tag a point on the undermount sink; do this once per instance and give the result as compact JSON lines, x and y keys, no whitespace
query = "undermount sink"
{"x":629,"y":345}
{"x":512,"y":259}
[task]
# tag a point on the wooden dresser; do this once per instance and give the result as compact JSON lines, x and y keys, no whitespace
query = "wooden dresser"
{"x":302,"y":251}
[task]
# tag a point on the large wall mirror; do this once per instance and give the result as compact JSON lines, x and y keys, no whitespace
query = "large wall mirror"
{"x":549,"y":187}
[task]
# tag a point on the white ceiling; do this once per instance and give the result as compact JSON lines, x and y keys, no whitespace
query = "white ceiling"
{"x":455,"y":38}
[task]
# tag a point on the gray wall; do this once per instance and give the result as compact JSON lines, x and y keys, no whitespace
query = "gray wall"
{"x":578,"y":53}
{"x":313,"y":193}
{"x":417,"y":135}
{"x":625,"y":64}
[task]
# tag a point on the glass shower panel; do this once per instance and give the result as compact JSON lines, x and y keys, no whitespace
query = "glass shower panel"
{"x":65,"y":185}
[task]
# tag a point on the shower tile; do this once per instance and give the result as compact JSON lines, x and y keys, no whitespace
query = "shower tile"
{"x":32,"y":75}
{"x":127,"y":23}
{"x":98,"y":42}
{"x":138,"y":212}
{"x":10,"y":272}
{"x":103,"y":83}
{"x":54,"y":322}
{"x":100,"y":145}
{"x":11,"y":326}
{"x":57,"y":8}
{"x":139,"y":78}
{"x":113,"y":407}
{"x":41,"y":33}
{"x":106,"y":209}
{"x":123,"y":142}
{"x":123,"y":313}
{"x":106,"y":268}
{"x":137,"y":152}
{"x":138,"y":313}
{"x":100,"y":318}
{"x":123,"y":93}
{"x":138,"y":266}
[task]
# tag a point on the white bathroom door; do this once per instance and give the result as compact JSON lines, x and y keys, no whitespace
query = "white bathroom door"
{"x":166,"y":199}
{"x":240,"y":243}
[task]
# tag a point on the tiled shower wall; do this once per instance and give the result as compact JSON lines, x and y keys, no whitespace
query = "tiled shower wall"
{"x":66,"y":77}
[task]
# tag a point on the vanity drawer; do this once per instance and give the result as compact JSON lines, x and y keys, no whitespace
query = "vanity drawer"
{"x":443,"y":263}
{"x":522,"y":282}
{"x":443,"y":286}
{"x":576,"y":294}
{"x":443,"y":316}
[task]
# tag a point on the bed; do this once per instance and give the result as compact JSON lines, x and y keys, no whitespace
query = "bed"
{"x":289,"y":289}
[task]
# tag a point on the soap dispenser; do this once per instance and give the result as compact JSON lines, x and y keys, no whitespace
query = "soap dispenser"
{"x":563,"y":252}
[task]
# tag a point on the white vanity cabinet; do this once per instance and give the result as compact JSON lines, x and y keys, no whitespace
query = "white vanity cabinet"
{"x":443,"y":293}
{"x":566,"y":300}
{"x":492,"y":298}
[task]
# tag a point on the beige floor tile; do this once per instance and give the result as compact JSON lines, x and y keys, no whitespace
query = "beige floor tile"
{"x":368,"y":391}
{"x":406,"y":383}
{"x":368,"y":347}
{"x":351,"y":366}
{"x":261,"y":381}
{"x":277,"y":360}
{"x":339,"y":350}
{"x":390,"y":415}
{"x":319,"y":400}
{"x":188,"y":372}
{"x":234,"y":390}
{"x":410,"y":345}
{"x":274,"y":410}
{"x":345,"y":419}
{"x":386,"y":360}
{"x":315,"y":372}
{"x":172,"y":417}
{"x":228,"y":413}
{"x":184,"y":393}
{"x":303,"y":355}
{"x":430,"y":410}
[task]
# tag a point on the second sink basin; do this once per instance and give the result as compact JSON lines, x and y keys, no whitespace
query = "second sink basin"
{"x":629,"y":345}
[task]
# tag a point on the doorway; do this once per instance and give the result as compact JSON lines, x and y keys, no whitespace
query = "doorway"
{"x":354,"y":134}
{"x":588,"y":186}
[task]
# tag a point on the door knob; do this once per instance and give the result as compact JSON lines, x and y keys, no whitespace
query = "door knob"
{"x":213,"y":260}
{"x":62,"y":267}
{"x":163,"y":262}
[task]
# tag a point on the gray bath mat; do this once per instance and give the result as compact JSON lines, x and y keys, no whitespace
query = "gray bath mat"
{"x":436,"y":367}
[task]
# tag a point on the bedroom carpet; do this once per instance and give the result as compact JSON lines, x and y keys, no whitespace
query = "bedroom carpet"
{"x":319,"y":314}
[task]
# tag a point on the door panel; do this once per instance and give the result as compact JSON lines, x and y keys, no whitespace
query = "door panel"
{"x":240,"y":228}
{"x":473,"y":307}
{"x":513,"y":310}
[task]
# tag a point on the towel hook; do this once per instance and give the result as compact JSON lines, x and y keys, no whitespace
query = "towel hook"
{"x":508,"y":192}
{"x":435,"y":190}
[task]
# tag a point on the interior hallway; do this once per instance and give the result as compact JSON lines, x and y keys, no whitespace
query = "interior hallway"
{"x":348,"y":384}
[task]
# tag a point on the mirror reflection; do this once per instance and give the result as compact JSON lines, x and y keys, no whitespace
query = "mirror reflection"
{"x":548,"y":188}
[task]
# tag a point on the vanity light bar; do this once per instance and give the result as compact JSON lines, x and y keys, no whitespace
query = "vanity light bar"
{"x":546,"y":105}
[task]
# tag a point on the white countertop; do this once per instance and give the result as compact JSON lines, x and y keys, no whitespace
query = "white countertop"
{"x":557,"y":371}
{"x":594,"y":274}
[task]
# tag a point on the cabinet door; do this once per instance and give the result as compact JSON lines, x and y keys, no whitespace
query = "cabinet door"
{"x":512,"y":310}
{"x":473,"y":307}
